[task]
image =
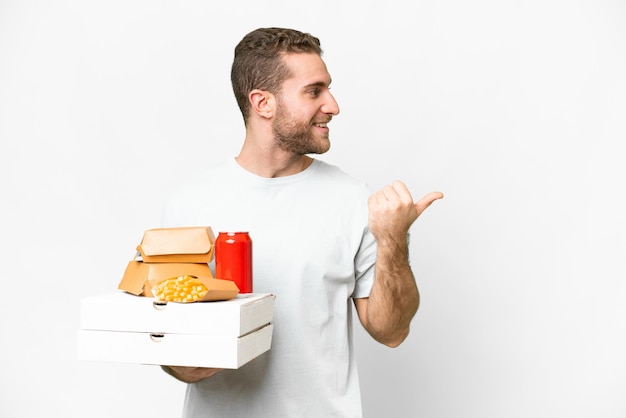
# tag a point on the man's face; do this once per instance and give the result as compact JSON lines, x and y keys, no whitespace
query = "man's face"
{"x":305,"y":106}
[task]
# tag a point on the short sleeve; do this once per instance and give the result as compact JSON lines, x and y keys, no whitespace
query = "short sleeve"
{"x":364,"y":265}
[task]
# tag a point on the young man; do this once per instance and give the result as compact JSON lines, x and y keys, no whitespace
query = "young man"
{"x":321,"y":241}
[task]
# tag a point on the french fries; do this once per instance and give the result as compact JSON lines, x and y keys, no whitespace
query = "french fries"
{"x":182,"y":289}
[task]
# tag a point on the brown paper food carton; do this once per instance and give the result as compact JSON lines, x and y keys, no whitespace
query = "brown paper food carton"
{"x":137,"y":277}
{"x":169,"y":253}
{"x":177,"y":245}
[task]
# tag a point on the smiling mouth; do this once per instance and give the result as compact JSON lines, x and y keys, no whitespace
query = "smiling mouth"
{"x":322,"y":124}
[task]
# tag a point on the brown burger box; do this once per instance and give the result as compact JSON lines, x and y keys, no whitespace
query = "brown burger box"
{"x":121,"y":327}
{"x":177,"y":245}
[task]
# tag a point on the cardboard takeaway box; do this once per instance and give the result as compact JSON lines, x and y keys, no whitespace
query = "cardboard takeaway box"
{"x":192,"y":244}
{"x":121,"y":327}
{"x":139,"y":276}
{"x":165,"y":253}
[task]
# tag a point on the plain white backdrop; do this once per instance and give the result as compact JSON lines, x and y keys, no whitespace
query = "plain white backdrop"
{"x":516,"y":110}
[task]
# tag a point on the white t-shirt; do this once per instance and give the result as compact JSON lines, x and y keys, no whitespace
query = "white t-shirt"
{"x":313,"y":250}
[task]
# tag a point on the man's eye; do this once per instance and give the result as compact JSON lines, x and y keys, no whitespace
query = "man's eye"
{"x":314,"y":92}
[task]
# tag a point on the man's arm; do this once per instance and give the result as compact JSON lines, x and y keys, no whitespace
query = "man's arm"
{"x":387,"y":313}
{"x":190,"y":374}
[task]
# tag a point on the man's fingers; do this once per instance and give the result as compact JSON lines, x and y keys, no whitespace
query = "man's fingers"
{"x":394,"y":192}
{"x":388,"y":193}
{"x":426,"y":201}
{"x":398,"y":194}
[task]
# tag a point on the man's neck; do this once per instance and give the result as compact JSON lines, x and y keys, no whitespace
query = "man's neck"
{"x":271,"y":163}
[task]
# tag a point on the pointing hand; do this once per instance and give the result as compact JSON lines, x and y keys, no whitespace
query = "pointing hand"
{"x":392,"y":210}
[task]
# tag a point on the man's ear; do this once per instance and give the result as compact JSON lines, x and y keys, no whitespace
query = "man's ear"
{"x":262,"y":103}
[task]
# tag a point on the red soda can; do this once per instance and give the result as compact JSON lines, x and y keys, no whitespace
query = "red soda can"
{"x":233,"y":259}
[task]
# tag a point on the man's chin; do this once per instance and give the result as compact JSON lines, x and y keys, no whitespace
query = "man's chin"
{"x":321,"y":150}
{"x":323,"y":147}
{"x":304,"y":147}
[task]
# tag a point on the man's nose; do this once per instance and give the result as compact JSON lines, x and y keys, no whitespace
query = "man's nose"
{"x":331,"y":107}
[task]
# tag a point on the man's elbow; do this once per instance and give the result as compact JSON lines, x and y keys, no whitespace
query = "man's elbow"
{"x":392,"y":340}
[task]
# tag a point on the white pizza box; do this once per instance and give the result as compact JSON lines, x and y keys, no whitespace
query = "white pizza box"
{"x":122,"y":327}
{"x":193,"y":350}
{"x":122,"y":311}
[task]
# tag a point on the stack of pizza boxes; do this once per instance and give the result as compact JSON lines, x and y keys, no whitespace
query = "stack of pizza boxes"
{"x":220,"y":328}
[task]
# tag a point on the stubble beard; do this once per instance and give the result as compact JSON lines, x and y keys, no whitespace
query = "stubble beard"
{"x":296,"y":137}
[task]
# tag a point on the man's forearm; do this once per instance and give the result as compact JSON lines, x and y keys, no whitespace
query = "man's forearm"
{"x":394,"y":299}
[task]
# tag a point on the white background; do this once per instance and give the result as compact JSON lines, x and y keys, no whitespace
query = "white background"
{"x":515,"y":109}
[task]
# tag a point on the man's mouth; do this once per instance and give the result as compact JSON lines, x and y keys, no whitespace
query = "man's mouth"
{"x":321,"y":124}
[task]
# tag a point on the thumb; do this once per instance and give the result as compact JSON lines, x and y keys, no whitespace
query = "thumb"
{"x":426,"y":201}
